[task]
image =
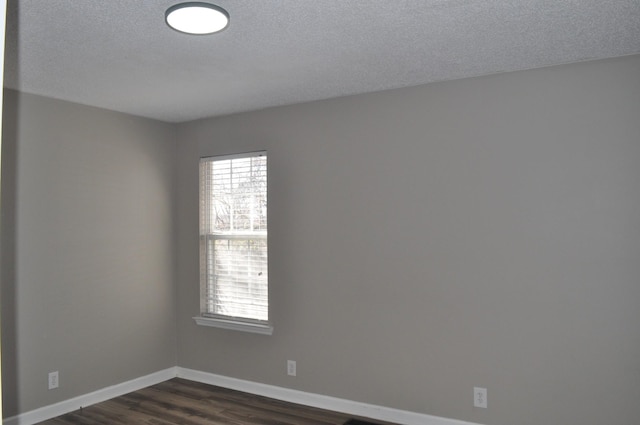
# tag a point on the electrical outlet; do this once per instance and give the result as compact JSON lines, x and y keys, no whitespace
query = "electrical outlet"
{"x":291,"y":367}
{"x":480,"y":397}
{"x":53,"y":380}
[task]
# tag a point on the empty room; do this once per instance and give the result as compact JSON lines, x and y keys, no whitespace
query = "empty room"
{"x":423,"y":212}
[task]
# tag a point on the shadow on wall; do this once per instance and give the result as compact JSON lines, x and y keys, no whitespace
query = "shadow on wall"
{"x":8,"y":223}
{"x":8,"y":256}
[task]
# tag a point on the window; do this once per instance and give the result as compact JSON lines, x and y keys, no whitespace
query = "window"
{"x":234,"y":290}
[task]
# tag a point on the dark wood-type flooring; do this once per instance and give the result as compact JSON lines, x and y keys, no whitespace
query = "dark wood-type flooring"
{"x":179,"y":401}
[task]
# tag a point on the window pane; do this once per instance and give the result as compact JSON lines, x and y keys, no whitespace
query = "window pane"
{"x":240,"y":278}
{"x":233,"y":230}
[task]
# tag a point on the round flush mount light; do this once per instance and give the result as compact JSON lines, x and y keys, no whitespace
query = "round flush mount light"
{"x":197,"y":18}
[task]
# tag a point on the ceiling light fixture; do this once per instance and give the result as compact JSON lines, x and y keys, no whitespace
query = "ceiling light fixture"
{"x":197,"y":18}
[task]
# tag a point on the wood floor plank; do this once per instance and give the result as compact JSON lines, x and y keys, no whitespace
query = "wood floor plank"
{"x":182,"y":402}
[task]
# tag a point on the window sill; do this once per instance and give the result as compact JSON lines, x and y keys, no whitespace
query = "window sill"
{"x":236,"y":325}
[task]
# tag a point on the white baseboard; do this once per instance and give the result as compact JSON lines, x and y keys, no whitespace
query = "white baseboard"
{"x":279,"y":393}
{"x":320,"y":401}
{"x":48,"y":412}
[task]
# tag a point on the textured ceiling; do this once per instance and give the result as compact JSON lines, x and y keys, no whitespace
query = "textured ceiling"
{"x":120,"y":55}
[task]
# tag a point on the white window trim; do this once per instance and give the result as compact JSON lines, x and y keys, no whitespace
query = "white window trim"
{"x":236,"y":325}
{"x":229,"y":323}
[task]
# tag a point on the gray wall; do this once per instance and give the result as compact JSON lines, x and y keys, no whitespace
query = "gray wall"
{"x":423,"y":241}
{"x":87,"y":228}
{"x":482,"y":232}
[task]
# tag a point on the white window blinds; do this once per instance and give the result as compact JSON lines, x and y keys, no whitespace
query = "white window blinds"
{"x":233,"y":237}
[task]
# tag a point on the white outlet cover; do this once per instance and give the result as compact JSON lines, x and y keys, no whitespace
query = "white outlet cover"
{"x":53,"y":380}
{"x":480,"y":397}
{"x":291,"y":367}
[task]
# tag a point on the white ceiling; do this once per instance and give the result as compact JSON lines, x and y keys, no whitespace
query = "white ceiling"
{"x":120,"y":55}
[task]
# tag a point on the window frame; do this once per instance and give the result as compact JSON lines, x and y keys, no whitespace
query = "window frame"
{"x":206,"y":318}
